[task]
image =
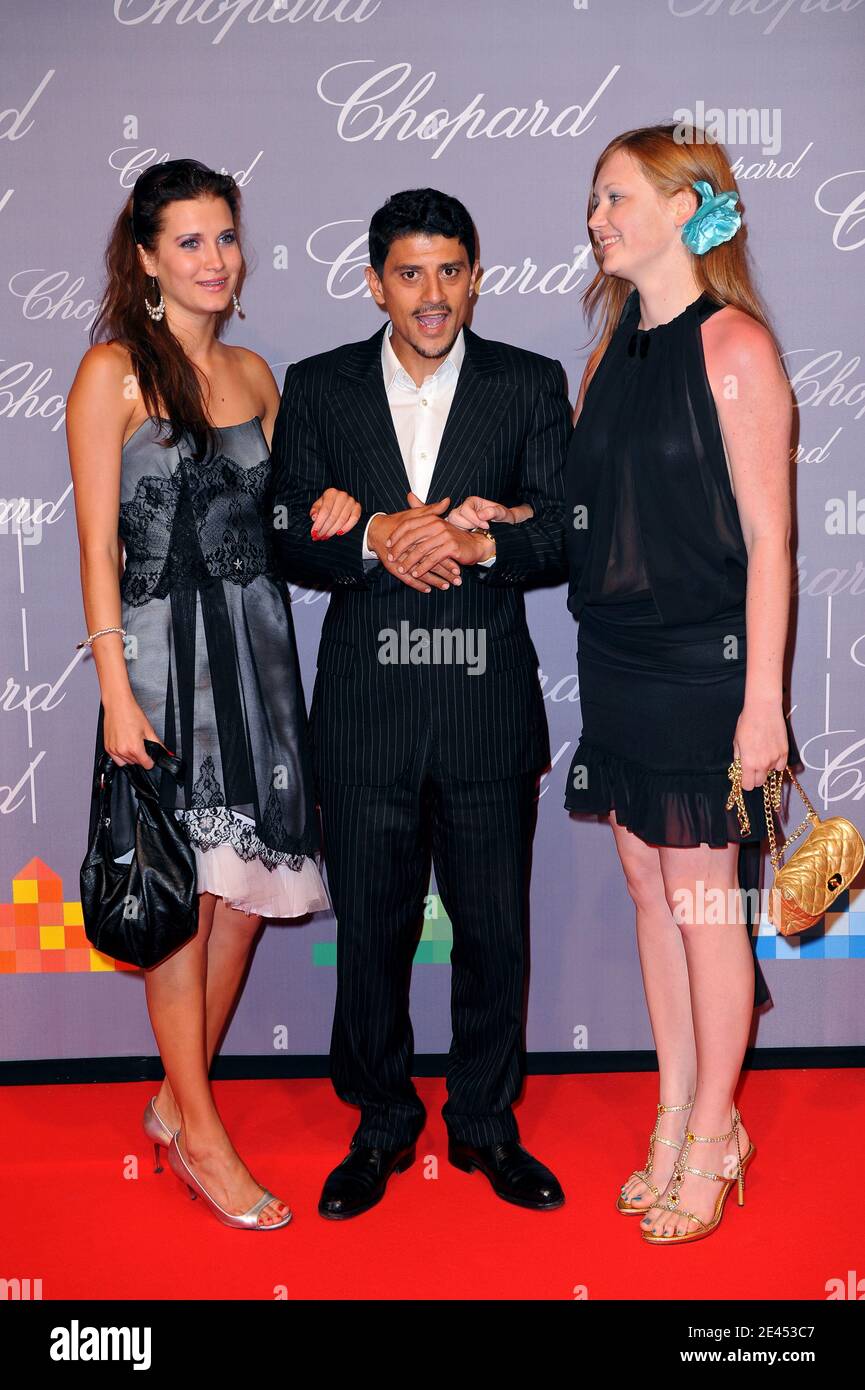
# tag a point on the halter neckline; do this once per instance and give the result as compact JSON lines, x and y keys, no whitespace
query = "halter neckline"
{"x":644,"y":332}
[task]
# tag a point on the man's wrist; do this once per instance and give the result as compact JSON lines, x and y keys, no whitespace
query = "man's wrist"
{"x":368,"y":552}
{"x":488,"y":544}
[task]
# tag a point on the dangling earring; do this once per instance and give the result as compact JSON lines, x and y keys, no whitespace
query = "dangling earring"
{"x":155,"y":311}
{"x":236,"y":302}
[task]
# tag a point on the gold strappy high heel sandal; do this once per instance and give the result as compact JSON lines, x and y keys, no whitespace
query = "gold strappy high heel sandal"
{"x":704,"y":1228}
{"x":628,"y":1208}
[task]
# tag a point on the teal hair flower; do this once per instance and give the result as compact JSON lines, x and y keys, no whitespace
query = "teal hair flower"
{"x":715,"y":220}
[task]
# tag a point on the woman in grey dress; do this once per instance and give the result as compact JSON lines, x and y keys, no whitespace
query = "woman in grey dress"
{"x":169,"y":438}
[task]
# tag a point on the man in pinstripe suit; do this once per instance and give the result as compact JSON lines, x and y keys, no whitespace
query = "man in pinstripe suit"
{"x":427,"y":718}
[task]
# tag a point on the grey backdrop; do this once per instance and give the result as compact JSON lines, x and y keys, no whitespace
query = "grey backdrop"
{"x":322,"y":109}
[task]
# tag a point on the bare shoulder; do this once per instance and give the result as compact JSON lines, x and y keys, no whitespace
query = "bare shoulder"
{"x":105,"y":364}
{"x":260,"y":384}
{"x":754,"y":403}
{"x":733,"y":341}
{"x":245,"y":357}
{"x":257,"y":372}
{"x":101,"y":402}
{"x":105,"y":383}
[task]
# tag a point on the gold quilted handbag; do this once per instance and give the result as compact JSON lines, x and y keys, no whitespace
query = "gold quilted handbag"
{"x":807,"y":885}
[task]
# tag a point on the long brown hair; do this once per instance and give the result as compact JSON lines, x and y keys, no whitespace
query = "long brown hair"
{"x":673,"y":157}
{"x":166,"y":376}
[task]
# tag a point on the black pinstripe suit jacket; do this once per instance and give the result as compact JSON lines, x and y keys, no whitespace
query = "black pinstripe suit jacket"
{"x":505,"y":438}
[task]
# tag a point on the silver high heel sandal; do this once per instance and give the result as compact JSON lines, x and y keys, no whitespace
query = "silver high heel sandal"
{"x":156,"y":1130}
{"x":246,"y":1220}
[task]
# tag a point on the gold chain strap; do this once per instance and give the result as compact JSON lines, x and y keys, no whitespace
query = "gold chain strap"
{"x":771,"y":801}
{"x":811,"y":819}
{"x":736,"y":799}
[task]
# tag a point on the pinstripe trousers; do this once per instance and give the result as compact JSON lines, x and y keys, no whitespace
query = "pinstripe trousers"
{"x":378,"y":841}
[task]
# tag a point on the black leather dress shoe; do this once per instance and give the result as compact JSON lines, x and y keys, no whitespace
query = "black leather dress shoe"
{"x":514,"y":1174}
{"x":361,"y":1180}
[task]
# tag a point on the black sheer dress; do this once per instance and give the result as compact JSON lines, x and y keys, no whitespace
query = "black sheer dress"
{"x":658,"y":566}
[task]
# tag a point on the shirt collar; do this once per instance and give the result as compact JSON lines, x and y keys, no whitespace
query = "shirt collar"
{"x":393,"y":368}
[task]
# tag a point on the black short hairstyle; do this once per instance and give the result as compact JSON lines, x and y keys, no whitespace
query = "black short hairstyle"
{"x":419,"y":210}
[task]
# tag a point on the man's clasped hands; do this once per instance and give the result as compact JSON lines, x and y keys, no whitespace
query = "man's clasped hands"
{"x":420,"y":546}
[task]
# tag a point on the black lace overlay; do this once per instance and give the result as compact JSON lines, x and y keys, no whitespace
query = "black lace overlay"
{"x":209,"y":822}
{"x":203,"y":522}
{"x":215,"y":666}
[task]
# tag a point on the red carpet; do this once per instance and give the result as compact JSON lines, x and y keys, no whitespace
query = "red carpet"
{"x":76,"y":1216}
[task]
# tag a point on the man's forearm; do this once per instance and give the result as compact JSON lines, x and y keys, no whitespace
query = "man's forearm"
{"x":537,"y":546}
{"x":301,"y":473}
{"x":337,"y":559}
{"x":532,"y":547}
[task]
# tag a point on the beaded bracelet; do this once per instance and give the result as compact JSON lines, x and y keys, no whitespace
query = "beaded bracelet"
{"x":88,"y":641}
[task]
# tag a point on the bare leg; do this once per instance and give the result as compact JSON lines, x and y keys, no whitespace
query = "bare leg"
{"x":177,"y":996}
{"x":665,"y":979}
{"x":232,"y":937}
{"x":721,"y":974}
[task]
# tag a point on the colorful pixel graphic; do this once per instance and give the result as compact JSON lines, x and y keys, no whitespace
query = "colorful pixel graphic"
{"x":41,"y":934}
{"x":434,"y":947}
{"x":840,"y":936}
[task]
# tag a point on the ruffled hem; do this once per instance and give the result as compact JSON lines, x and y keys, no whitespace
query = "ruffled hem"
{"x":670,"y":808}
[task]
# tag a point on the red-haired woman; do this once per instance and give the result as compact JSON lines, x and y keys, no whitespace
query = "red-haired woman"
{"x":678,"y":535}
{"x":169,"y":435}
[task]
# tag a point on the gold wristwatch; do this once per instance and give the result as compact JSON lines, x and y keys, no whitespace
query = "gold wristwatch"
{"x":482,"y":531}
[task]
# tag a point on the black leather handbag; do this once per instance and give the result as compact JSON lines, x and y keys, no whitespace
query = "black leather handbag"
{"x":142,"y":911}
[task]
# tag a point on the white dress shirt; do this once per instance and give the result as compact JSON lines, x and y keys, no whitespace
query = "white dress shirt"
{"x":419,"y":415}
